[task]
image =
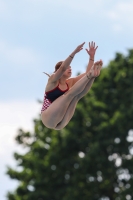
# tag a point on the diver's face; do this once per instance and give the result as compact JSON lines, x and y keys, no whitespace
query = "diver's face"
{"x":68,"y":72}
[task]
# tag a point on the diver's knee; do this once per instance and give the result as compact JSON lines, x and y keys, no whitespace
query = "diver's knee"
{"x":59,"y":126}
{"x":48,"y":124}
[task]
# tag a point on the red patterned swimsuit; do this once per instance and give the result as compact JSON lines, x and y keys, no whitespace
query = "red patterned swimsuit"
{"x":51,"y":96}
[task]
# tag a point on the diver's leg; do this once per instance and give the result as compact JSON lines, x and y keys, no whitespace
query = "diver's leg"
{"x":71,"y":108}
{"x":55,"y":113}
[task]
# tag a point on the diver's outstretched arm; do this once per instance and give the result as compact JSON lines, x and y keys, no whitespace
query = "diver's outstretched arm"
{"x":91,"y":51}
{"x":57,"y":75}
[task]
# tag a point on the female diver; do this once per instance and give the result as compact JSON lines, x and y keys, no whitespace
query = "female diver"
{"x":62,"y":93}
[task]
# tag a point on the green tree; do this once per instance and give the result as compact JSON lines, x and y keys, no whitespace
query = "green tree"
{"x":92,"y":157}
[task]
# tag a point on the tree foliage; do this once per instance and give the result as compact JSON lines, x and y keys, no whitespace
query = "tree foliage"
{"x":92,"y":158}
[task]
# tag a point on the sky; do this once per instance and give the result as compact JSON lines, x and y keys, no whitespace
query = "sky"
{"x":34,"y":36}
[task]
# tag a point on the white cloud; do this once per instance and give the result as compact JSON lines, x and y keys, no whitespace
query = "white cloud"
{"x":84,"y":7}
{"x":122,"y":10}
{"x":20,"y":56}
{"x":13,"y":115}
{"x":34,"y":10}
{"x":121,"y":15}
{"x":38,"y":11}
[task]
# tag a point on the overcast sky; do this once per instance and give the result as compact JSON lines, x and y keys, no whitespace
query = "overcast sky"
{"x":34,"y":35}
